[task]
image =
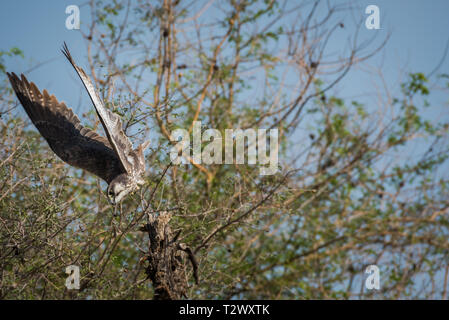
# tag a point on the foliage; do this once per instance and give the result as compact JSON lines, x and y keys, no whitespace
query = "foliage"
{"x":345,"y":196}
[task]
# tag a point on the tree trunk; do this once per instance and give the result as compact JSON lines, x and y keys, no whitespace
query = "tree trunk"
{"x":166,"y":259}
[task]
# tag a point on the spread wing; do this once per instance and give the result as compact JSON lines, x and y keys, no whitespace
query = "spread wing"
{"x":77,"y":145}
{"x":110,"y":121}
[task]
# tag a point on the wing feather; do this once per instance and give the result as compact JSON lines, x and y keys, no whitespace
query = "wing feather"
{"x":77,"y":145}
{"x":110,"y":121}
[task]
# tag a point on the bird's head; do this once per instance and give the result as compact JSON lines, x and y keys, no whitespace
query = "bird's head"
{"x":120,"y":187}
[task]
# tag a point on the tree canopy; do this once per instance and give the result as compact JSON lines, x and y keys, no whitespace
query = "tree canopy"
{"x":344,"y":195}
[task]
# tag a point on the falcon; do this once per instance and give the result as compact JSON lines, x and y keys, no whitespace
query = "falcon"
{"x":113,"y":158}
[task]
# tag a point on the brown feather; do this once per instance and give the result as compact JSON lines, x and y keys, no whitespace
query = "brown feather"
{"x":77,"y":145}
{"x":111,"y":122}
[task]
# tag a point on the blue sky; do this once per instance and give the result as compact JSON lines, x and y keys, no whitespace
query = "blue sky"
{"x":419,"y":33}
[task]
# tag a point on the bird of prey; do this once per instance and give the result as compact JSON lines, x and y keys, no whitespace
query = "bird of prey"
{"x":113,"y":158}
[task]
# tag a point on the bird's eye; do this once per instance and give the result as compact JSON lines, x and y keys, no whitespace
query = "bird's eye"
{"x":111,"y":193}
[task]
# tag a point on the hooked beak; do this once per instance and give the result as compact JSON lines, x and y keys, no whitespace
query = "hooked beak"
{"x":111,"y":199}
